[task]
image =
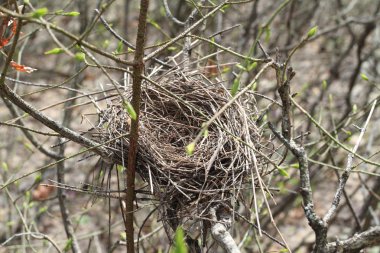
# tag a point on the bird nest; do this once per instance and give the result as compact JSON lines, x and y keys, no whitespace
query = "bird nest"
{"x":173,"y":112}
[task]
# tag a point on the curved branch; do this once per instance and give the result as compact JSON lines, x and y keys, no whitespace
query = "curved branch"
{"x":360,"y":241}
{"x":170,"y":15}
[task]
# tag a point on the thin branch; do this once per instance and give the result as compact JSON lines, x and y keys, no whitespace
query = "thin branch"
{"x":170,"y":15}
{"x":343,"y":179}
{"x":35,"y":235}
{"x":28,"y":129}
{"x":247,"y":58}
{"x":67,"y":34}
{"x":184,"y":33}
{"x":332,"y":137}
{"x":125,"y":42}
{"x":6,"y":92}
{"x":100,"y":145}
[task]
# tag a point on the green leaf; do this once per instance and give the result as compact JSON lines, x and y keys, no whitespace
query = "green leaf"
{"x":40,"y":12}
{"x":42,"y":210}
{"x":331,"y":98}
{"x":5,"y":166}
{"x":105,"y":44}
{"x":267,"y":34}
{"x":364,"y":77}
{"x":101,"y":174}
{"x":254,"y":86}
{"x":226,"y":70}
{"x":349,"y":133}
{"x":154,"y":23}
{"x":295,"y":165}
{"x":252,"y":66}
{"x":235,"y":87}
{"x":281,"y":186}
{"x":131,"y":111}
{"x":80,"y":56}
{"x":190,"y":148}
{"x":27,"y":196}
{"x":225,"y":7}
{"x":56,"y":50}
{"x":38,"y":178}
{"x":119,"y":48}
{"x":205,"y":133}
{"x":120,"y":168}
{"x":354,"y":108}
{"x":179,"y":246}
{"x":241,"y":67}
{"x":312,"y":31}
{"x":84,"y":219}
{"x":10,"y":223}
{"x":28,"y":146}
{"x":123,"y":236}
{"x":68,"y":245}
{"x":71,"y":14}
{"x":283,"y":172}
{"x":324,"y":84}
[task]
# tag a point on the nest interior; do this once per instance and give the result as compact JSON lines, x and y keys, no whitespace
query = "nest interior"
{"x":172,"y":114}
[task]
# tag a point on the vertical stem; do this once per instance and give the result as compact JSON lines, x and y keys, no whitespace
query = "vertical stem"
{"x":138,"y":69}
{"x":66,"y":121}
{"x":127,"y":4}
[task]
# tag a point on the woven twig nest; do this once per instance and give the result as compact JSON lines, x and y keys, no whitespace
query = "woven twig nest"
{"x":172,"y":114}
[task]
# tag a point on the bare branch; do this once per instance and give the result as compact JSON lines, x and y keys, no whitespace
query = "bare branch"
{"x":343,"y":179}
{"x":359,"y":241}
{"x":220,"y":233}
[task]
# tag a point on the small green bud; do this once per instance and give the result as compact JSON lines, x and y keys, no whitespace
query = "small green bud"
{"x":80,"y":56}
{"x":283,"y":172}
{"x":71,"y":14}
{"x":190,"y":148}
{"x":324,"y":84}
{"x":235,"y":87}
{"x":131,"y":111}
{"x":312,"y":31}
{"x":40,"y":12}
{"x":252,"y":66}
{"x":123,"y":236}
{"x":364,"y":77}
{"x":56,"y":50}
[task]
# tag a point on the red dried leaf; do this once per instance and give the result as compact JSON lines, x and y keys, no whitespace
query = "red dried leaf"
{"x":8,"y":21}
{"x":42,"y":192}
{"x":22,"y":68}
{"x":211,"y":69}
